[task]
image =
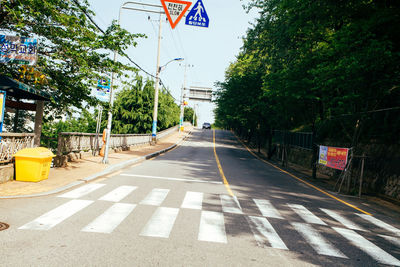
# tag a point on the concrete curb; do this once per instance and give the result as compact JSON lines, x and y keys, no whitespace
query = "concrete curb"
{"x":108,"y":170}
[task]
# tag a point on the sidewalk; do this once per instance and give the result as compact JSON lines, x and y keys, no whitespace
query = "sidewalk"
{"x":88,"y":169}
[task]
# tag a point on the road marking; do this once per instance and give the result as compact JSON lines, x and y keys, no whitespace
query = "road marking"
{"x":392,"y":239}
{"x":110,"y":219}
{"x":212,"y":227}
{"x":192,"y":200}
{"x":82,"y":191}
{"x":380,"y":223}
{"x":230,"y":204}
{"x":221,"y":171}
{"x":57,"y":215}
{"x":171,"y":178}
{"x":161,"y":223}
{"x":301,"y":180}
{"x":263,"y":226}
{"x":266,"y":209}
{"x":155,"y":197}
{"x":305,"y":214}
{"x":349,"y":224}
{"x":368,"y":247}
{"x":317,"y":241}
{"x":119,"y":193}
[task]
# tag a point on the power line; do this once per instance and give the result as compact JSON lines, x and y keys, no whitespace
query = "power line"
{"x":133,"y":62}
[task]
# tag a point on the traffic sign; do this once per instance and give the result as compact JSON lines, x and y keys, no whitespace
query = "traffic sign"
{"x":198,"y":16}
{"x":175,"y":10}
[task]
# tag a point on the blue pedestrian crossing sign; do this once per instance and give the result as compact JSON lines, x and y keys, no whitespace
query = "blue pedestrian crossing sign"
{"x":198,"y":15}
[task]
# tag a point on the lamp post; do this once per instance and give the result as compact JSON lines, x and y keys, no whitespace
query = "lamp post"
{"x":109,"y":122}
{"x":159,"y":69}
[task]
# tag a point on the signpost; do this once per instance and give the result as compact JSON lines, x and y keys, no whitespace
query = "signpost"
{"x":198,"y":16}
{"x":2,"y":107}
{"x":200,"y":93}
{"x":20,"y":50}
{"x":175,"y":10}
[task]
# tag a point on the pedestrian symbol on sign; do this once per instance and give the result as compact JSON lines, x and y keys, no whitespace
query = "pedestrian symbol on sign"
{"x":198,"y":16}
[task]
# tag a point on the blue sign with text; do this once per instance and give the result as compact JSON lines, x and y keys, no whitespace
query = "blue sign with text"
{"x":198,"y":16}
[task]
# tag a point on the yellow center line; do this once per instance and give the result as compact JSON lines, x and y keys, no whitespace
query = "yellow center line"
{"x":221,"y":172}
{"x":301,"y":180}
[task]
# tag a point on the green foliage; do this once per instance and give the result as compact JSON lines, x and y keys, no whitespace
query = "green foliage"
{"x":72,"y":52}
{"x":323,"y":65}
{"x":188,"y":114}
{"x":133,"y":108}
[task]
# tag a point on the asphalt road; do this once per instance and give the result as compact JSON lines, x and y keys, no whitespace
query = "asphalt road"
{"x":179,"y":210}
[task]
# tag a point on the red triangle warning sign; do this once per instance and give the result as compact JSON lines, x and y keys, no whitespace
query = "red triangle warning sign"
{"x":175,"y":10}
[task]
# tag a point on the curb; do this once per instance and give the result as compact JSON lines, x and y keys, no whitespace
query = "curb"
{"x":108,"y":170}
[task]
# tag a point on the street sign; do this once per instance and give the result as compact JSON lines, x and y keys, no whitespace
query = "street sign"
{"x":175,"y":10}
{"x":20,"y":50}
{"x":200,"y":93}
{"x":103,"y":89}
{"x":198,"y":15}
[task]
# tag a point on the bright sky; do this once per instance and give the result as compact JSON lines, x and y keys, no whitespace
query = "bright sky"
{"x":209,"y":50}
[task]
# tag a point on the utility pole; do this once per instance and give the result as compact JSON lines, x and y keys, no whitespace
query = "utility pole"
{"x":155,"y":110}
{"x":108,"y":135}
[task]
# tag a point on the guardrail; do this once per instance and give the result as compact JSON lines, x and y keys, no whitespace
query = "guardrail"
{"x":11,"y":143}
{"x":76,"y":142}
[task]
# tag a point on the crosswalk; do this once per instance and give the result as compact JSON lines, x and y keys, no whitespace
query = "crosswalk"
{"x":263,"y":223}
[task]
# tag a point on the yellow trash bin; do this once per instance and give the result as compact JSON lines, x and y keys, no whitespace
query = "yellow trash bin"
{"x":33,"y":164}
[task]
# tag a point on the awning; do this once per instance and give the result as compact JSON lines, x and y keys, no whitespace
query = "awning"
{"x":20,"y":90}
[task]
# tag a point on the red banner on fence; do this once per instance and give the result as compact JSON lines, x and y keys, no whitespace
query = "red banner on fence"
{"x":333,"y":157}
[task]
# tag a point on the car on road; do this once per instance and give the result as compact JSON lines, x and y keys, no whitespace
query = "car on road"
{"x":206,"y":125}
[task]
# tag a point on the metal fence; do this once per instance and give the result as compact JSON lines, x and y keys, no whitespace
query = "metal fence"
{"x":297,"y":139}
{"x":11,"y":143}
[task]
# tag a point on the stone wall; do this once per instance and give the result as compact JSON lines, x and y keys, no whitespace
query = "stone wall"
{"x":6,"y":173}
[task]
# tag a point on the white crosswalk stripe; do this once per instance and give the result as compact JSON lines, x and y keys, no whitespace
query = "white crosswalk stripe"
{"x":260,"y":225}
{"x":349,"y":224}
{"x":119,"y":193}
{"x":230,"y":204}
{"x":305,"y":214}
{"x":155,"y":197}
{"x":57,"y":215}
{"x":392,"y":239}
{"x":380,"y":223}
{"x":317,"y":241}
{"x":212,"y":223}
{"x":368,"y":247}
{"x":266,"y":209}
{"x":82,"y":191}
{"x":161,"y":223}
{"x":192,"y":200}
{"x":110,"y":219}
{"x":212,"y":227}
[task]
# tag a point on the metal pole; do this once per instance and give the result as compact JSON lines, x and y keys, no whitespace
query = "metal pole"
{"x":182,"y":100}
{"x":155,"y":111}
{"x":105,"y":158}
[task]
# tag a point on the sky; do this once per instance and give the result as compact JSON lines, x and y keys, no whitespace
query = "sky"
{"x":206,"y":51}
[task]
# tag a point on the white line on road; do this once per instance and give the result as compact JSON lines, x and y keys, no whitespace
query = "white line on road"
{"x":230,"y":204}
{"x":155,"y":197}
{"x":380,"y":223}
{"x":192,"y":200}
{"x":110,"y":219}
{"x":392,"y":239}
{"x":57,"y":215}
{"x":82,"y":191}
{"x":349,"y":224}
{"x":317,"y":241}
{"x":161,"y":223}
{"x":368,"y":247}
{"x":119,"y":193}
{"x":212,"y":227}
{"x":263,"y":226}
{"x":266,"y":209}
{"x":306,"y":214}
{"x":171,"y":178}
